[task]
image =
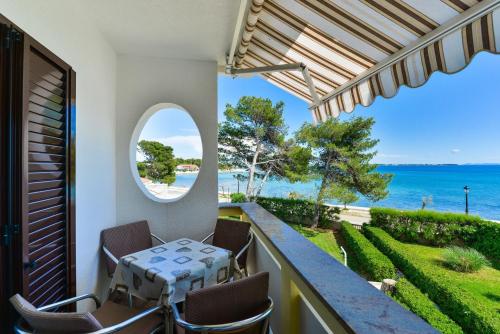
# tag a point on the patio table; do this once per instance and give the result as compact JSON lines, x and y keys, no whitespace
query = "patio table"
{"x":168,"y":271}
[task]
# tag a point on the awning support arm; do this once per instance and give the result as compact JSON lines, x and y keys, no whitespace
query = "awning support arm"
{"x":237,"y":31}
{"x":457,"y":22}
{"x":280,"y":68}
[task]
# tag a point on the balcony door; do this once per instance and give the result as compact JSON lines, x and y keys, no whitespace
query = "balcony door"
{"x":37,"y":147}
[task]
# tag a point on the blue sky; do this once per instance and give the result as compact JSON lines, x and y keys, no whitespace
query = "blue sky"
{"x":451,"y":119}
{"x":175,"y":128}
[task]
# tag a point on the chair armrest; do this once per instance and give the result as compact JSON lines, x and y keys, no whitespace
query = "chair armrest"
{"x":207,"y":237}
{"x":128,"y":322}
{"x":71,"y":301}
{"x":109,"y":254}
{"x":230,"y":326}
{"x":154,"y":236}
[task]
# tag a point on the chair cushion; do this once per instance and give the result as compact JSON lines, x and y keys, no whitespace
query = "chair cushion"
{"x":232,"y":235}
{"x":54,"y":323}
{"x":111,"y":314}
{"x":125,"y":239}
{"x":234,"y":301}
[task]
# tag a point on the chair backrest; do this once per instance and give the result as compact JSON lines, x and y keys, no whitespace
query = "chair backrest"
{"x":50,"y":322}
{"x":229,"y":302}
{"x":125,"y":239}
{"x":232,"y":235}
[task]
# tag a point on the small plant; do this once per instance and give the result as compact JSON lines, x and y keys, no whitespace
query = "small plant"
{"x":465,"y":260}
{"x":238,"y":198}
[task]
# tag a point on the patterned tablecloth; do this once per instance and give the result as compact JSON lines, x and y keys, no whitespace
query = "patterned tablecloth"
{"x":167,"y":272}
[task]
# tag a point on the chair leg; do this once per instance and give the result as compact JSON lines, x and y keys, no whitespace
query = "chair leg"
{"x":169,"y":321}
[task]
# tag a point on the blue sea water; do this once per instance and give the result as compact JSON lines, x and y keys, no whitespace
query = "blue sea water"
{"x":410,"y":183}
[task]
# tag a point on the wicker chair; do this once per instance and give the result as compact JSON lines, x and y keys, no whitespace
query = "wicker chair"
{"x":125,"y":239}
{"x":241,"y":306}
{"x":235,"y":236}
{"x":108,"y":318}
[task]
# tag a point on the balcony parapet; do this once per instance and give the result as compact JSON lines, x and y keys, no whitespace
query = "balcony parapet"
{"x":317,"y":291}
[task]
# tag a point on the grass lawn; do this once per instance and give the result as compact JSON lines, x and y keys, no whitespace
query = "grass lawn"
{"x":324,"y":239}
{"x":484,"y":284}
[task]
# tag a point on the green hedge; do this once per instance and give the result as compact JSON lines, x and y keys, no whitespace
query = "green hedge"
{"x":439,"y":229}
{"x":411,"y":297}
{"x":376,"y":264}
{"x":471,"y":314}
{"x":298,"y":211}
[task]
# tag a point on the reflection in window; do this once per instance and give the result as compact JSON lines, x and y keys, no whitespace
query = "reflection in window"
{"x":169,"y":152}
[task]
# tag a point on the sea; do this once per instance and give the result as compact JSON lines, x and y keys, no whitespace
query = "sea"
{"x":410,"y":184}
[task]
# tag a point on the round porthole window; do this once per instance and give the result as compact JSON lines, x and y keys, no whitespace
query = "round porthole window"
{"x":166,"y":152}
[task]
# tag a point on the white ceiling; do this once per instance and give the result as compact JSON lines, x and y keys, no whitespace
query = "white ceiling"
{"x":192,"y":29}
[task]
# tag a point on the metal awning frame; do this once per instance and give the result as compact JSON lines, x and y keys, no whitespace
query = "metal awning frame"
{"x":253,"y":7}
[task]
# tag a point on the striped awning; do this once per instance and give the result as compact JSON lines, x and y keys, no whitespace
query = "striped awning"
{"x":356,"y":50}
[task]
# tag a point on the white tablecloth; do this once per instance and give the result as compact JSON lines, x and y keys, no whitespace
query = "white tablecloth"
{"x":167,"y":272}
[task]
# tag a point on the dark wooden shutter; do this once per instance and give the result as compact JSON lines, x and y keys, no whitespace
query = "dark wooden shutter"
{"x":48,"y":175}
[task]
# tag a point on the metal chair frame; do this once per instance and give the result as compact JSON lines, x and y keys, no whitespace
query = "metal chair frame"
{"x":18,"y":328}
{"x":115,"y":260}
{"x":241,"y":271}
{"x":231,"y":326}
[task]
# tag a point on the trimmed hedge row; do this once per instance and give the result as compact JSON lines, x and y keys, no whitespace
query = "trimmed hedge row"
{"x":472,"y":315}
{"x":376,"y":264}
{"x":298,"y":211}
{"x":411,"y":297}
{"x":439,"y":229}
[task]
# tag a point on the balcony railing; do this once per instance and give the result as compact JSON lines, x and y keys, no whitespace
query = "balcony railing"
{"x":313,"y":292}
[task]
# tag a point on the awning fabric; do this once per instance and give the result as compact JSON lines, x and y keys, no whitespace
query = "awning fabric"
{"x":340,"y":40}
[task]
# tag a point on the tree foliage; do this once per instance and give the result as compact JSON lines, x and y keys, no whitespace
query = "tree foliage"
{"x":253,"y":138}
{"x":188,"y":161}
{"x":340,"y":155}
{"x":159,"y":161}
{"x":342,"y":194}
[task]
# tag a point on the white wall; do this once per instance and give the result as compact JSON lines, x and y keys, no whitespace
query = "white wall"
{"x":141,"y":83}
{"x":61,"y":27}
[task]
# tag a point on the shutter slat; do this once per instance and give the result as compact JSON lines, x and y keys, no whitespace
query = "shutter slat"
{"x":42,"y":120}
{"x":40,"y":91}
{"x":49,"y":265}
{"x":48,"y":86}
{"x":45,"y":185}
{"x":45,"y":166}
{"x":38,"y":138}
{"x":35,"y":108}
{"x":39,"y":224}
{"x":46,"y":203}
{"x":42,"y":157}
{"x":45,"y":194}
{"x":42,"y":148}
{"x":50,"y":294}
{"x":45,"y":130}
{"x":55,"y":279}
{"x":44,"y":213}
{"x":43,"y":102}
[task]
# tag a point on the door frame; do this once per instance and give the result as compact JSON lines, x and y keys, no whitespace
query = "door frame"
{"x":31,"y":45}
{"x":14,"y":97}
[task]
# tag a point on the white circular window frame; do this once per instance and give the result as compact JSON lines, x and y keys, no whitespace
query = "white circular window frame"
{"x":133,"y":150}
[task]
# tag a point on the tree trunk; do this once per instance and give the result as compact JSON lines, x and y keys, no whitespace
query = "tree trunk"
{"x":321,"y":193}
{"x":319,"y":201}
{"x":261,"y":185}
{"x":251,"y":173}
